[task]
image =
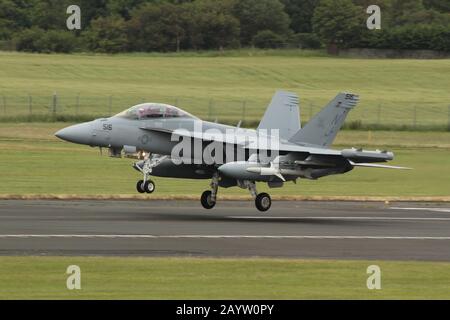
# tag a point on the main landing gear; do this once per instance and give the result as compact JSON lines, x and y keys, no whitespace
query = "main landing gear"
{"x":209,"y":197}
{"x":263,"y":202}
{"x":146,"y":185}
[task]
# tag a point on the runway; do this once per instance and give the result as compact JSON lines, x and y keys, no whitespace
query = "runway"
{"x":309,"y":229}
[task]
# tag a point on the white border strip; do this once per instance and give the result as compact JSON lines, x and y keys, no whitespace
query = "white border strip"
{"x":148,"y":236}
{"x":422,"y":209}
{"x":337,"y":218}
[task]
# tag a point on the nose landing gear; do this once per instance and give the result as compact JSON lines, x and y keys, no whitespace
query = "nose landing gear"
{"x":146,"y":167}
{"x":145,"y":186}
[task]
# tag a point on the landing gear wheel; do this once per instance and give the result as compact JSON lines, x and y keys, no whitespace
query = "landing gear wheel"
{"x":206,"y":200}
{"x":140,"y":186}
{"x":149,"y":186}
{"x":263,"y":202}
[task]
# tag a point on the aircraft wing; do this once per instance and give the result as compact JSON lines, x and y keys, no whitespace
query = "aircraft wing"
{"x":204,"y":136}
{"x":240,"y":138}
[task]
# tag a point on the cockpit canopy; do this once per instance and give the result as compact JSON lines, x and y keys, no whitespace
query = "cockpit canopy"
{"x":153,"y":111}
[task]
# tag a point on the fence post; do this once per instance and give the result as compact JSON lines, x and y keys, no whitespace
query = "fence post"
{"x":77,"y":105}
{"x":110,"y":105}
{"x":210,"y":109}
{"x":415,"y":117}
{"x":449,"y":118}
{"x":379,"y":114}
{"x":244,"y":106}
{"x":30,"y":105}
{"x":362,"y":109}
{"x":54,"y":103}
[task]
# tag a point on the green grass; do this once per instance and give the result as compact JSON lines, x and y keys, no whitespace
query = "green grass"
{"x":33,"y":161}
{"x":214,"y":85}
{"x":194,"y":278}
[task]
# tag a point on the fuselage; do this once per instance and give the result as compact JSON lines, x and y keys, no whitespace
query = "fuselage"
{"x":117,"y":133}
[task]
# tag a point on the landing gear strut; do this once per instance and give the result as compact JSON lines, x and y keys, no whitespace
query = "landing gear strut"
{"x":209,"y":197}
{"x":147,"y":185}
{"x":263,"y":201}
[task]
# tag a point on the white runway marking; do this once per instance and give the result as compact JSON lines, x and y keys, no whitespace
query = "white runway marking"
{"x":422,"y":209}
{"x":339,"y":218}
{"x":149,"y":236}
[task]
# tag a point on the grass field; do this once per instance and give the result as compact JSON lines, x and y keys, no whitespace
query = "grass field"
{"x":191,"y":278}
{"x":33,"y":161}
{"x":230,"y":87}
{"x":393,"y":92}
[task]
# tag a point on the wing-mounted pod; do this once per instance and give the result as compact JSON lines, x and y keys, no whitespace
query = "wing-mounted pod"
{"x":360,"y":155}
{"x":364,"y":158}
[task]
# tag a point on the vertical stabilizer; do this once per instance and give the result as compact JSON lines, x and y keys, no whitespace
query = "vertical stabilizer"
{"x":283,"y":114}
{"x":323,"y":128}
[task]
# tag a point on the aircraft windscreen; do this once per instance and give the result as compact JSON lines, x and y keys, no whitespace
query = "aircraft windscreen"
{"x":153,"y":111}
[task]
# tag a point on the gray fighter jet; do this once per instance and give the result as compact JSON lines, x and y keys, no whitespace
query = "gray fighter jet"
{"x":170,"y":142}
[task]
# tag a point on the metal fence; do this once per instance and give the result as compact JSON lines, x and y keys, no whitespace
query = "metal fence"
{"x":383,"y":114}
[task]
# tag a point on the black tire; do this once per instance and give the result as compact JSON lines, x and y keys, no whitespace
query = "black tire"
{"x":263,"y":202}
{"x":149,"y":186}
{"x":139,"y":186}
{"x":206,"y":200}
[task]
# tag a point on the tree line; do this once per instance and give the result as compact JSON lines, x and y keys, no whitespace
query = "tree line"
{"x":173,"y":25}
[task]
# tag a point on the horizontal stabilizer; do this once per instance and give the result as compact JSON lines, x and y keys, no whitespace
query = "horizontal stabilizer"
{"x":382,"y":166}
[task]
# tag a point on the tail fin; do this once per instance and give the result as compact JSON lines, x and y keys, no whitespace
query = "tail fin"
{"x":323,"y":128}
{"x":283,"y":114}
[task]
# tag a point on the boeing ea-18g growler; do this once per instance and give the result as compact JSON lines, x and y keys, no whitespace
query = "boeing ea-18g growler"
{"x":170,"y":142}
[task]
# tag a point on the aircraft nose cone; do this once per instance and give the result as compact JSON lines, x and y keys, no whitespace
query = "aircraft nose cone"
{"x":79,"y":133}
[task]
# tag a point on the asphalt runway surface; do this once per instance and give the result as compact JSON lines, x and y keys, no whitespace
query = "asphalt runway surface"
{"x":295,"y":229}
